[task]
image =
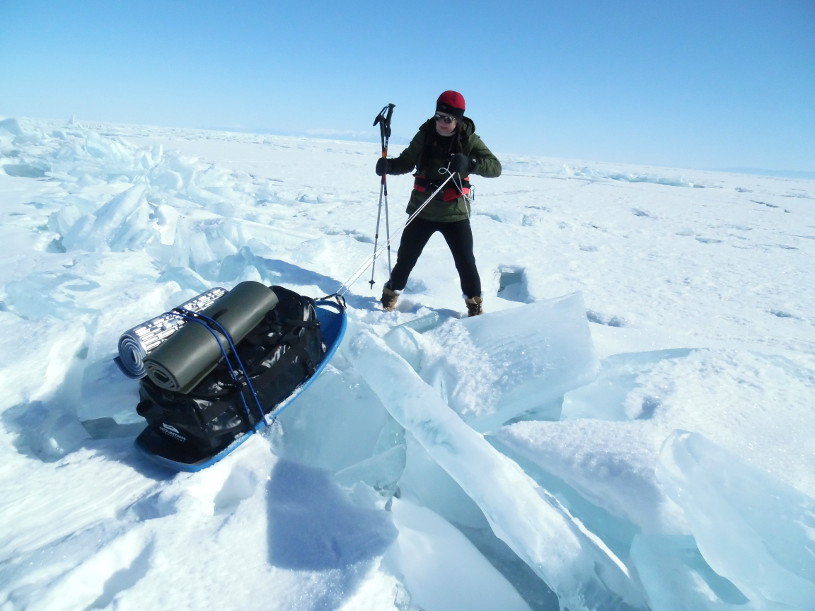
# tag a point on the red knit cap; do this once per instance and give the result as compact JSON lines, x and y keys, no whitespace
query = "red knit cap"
{"x":451,"y":103}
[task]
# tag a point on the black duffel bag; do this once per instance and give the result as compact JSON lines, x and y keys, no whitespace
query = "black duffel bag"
{"x":280,"y":353}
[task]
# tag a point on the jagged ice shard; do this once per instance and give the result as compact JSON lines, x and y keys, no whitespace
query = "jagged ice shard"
{"x":491,"y":369}
{"x":763,"y":543}
{"x":583,"y":572}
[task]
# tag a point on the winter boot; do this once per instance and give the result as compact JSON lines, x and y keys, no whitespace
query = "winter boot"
{"x":389,"y":298}
{"x":473,"y":306}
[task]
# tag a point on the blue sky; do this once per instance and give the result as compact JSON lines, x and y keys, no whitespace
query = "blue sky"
{"x":688,"y":83}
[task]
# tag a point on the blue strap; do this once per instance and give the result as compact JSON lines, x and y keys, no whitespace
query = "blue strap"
{"x":212,"y":325}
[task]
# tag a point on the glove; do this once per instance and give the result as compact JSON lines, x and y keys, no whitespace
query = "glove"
{"x":383,"y":166}
{"x":459,"y":162}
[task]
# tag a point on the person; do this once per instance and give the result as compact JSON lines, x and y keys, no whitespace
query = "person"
{"x":445,"y":143}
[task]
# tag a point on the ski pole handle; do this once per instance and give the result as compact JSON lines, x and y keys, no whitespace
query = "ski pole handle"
{"x":384,"y":120}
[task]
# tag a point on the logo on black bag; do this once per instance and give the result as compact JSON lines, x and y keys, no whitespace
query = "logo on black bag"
{"x":171,"y":431}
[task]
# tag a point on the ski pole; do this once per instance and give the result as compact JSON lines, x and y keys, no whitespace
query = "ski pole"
{"x":383,"y":119}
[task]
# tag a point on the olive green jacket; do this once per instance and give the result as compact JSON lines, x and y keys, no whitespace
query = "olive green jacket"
{"x":428,"y":152}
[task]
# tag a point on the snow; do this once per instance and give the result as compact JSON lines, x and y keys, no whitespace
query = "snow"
{"x":627,"y":427}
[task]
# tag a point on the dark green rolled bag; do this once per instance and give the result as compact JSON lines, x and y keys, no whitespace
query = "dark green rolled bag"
{"x":186,"y":357}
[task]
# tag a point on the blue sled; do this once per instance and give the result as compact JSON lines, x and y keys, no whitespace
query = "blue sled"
{"x":152,"y":444}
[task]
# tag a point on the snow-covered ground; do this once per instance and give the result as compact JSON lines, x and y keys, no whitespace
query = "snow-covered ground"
{"x":629,"y":426}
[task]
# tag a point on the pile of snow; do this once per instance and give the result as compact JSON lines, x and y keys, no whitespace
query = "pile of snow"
{"x":627,"y":427}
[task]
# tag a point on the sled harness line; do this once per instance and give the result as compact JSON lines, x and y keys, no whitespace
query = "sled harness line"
{"x":370,"y":260}
{"x":212,"y":325}
{"x":338,"y":298}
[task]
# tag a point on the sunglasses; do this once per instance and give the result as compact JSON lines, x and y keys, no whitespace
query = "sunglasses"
{"x":444,"y":118}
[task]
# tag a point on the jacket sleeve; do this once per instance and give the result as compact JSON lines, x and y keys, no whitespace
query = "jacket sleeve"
{"x":486,"y":164}
{"x":407,"y":159}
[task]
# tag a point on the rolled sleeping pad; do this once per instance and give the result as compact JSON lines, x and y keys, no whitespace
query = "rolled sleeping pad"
{"x":186,"y":357}
{"x":136,"y":343}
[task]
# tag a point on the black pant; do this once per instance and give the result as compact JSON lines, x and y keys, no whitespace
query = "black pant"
{"x":459,"y":237}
